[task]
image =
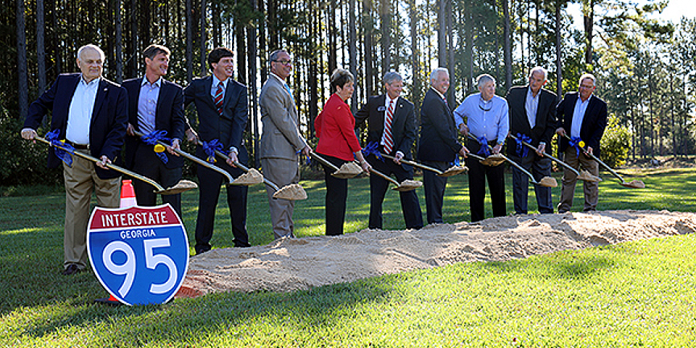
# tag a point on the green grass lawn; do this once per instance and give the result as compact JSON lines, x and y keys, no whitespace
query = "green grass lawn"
{"x":633,"y":294}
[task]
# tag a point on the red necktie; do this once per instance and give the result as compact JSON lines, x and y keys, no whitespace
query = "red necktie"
{"x":388,"y":142}
{"x":218,"y":99}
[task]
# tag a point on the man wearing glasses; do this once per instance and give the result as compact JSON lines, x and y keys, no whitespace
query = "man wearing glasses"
{"x":486,"y":116}
{"x":585,"y":116}
{"x":281,"y":141}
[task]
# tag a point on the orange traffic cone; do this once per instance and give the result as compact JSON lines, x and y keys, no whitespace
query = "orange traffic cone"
{"x":127,"y":195}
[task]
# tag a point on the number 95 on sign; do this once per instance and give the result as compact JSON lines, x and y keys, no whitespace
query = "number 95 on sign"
{"x":139,"y":254}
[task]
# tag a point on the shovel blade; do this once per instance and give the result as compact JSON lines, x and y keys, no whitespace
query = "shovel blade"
{"x":249,"y":178}
{"x":181,"y":186}
{"x":634,"y":184}
{"x":451,"y":171}
{"x":292,"y":192}
{"x":548,"y":181}
{"x":408,"y":185}
{"x":586,"y":176}
{"x":348,"y":170}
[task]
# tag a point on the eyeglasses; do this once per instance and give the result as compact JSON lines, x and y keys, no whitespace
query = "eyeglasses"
{"x":284,"y":62}
{"x":586,"y":87}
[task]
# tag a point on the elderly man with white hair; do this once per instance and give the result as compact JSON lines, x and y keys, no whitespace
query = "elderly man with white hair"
{"x":90,"y":114}
{"x":438,"y":145}
{"x":485,"y":116}
{"x":532,"y":120}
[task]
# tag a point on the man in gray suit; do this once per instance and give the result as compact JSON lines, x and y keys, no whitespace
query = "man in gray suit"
{"x":281,"y":141}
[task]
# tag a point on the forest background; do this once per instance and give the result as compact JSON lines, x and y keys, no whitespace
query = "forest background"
{"x":644,"y":65}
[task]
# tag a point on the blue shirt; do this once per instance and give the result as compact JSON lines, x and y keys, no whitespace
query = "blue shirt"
{"x":214,"y":87}
{"x":147,"y":104}
{"x":531,"y":105}
{"x":489,"y":119}
{"x":578,"y":116}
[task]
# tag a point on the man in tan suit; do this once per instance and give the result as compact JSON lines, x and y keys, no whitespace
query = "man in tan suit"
{"x":281,"y":141}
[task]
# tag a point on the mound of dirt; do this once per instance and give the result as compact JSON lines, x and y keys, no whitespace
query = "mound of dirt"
{"x":294,"y":264}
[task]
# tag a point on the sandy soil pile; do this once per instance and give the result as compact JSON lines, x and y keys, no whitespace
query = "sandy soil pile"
{"x":292,"y":264}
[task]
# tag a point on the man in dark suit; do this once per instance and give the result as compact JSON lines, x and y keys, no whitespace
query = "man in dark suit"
{"x":392,"y":125}
{"x":438,"y":144}
{"x":155,"y":104}
{"x":532,"y":112}
{"x":222,"y":107}
{"x":89,"y":113}
{"x":583,"y":116}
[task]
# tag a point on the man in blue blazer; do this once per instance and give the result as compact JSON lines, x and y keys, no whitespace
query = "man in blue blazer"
{"x":438,"y":142}
{"x":89,"y":113}
{"x":222,"y":108}
{"x":532,"y":111}
{"x":396,"y":142}
{"x":155,"y":104}
{"x":583,"y":116}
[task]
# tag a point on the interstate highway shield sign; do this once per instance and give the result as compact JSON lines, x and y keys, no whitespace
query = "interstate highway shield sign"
{"x":139,"y":254}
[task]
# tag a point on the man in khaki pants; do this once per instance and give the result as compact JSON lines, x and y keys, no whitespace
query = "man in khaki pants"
{"x":90,"y":114}
{"x":281,"y":140}
{"x":583,"y":117}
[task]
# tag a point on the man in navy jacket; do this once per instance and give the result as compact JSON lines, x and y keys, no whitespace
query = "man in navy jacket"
{"x":583,"y":117}
{"x":155,"y":104}
{"x":222,"y":108}
{"x":89,"y":113}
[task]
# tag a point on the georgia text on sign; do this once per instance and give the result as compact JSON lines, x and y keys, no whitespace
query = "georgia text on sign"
{"x":134,"y":219}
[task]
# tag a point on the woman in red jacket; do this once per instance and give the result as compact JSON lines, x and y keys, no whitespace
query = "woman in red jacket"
{"x":334,"y":127}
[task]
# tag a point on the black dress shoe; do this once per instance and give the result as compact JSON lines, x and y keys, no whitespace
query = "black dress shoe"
{"x":70,"y":270}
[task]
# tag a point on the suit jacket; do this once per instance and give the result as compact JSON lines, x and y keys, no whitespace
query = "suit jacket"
{"x":168,"y":117}
{"x":281,"y":136}
{"x":335,"y":128}
{"x":228,"y":127}
{"x":593,"y":124}
{"x":438,"y":137}
{"x":519,"y":123}
{"x":403,"y":122}
{"x":107,"y":126}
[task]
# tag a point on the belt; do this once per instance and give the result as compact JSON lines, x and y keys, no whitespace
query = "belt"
{"x":77,"y":146}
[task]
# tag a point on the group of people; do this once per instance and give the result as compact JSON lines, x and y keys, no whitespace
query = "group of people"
{"x":96,"y":116}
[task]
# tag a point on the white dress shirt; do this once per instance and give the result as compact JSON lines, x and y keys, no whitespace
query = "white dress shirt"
{"x":80,"y":113}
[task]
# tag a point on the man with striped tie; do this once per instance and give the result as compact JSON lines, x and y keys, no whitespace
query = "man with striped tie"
{"x":391,"y":130}
{"x":222,"y":107}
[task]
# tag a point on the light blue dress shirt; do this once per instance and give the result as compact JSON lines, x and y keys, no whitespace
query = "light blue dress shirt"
{"x":578,"y":116}
{"x":484,"y":118}
{"x":147,"y":104}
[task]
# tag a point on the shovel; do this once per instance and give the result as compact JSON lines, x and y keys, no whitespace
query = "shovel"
{"x":451,"y":171}
{"x":347,"y":171}
{"x":181,"y":186}
{"x":632,"y":184}
{"x":546,"y":181}
{"x":584,"y":175}
{"x":292,"y":192}
{"x":406,"y":185}
{"x":197,"y":160}
{"x":493,"y":160}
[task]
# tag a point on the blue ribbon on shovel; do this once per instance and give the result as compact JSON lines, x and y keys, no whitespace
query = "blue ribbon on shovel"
{"x":522,"y":150}
{"x":64,"y":155}
{"x":155,"y":136}
{"x":372,"y":148}
{"x":210,"y":148}
{"x":483,"y":151}
{"x":575,"y":142}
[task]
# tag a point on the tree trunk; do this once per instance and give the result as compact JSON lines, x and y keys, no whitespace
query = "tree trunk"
{"x":203,"y":37}
{"x":442,"y":33}
{"x":386,"y":32}
{"x":352,"y":49}
{"x":23,"y":92}
{"x":189,"y":41}
{"x":264,"y":51}
{"x":40,"y":48}
{"x":332,"y":35}
{"x":559,"y":57}
{"x":450,"y":33}
{"x":253,"y":110}
{"x":369,"y":78}
{"x":588,"y":21}
{"x":508,"y":47}
{"x":118,"y":59}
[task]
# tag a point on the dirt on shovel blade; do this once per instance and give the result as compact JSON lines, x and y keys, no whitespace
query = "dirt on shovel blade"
{"x":181,"y":186}
{"x":548,"y":181}
{"x":586,"y":176}
{"x":408,"y":185}
{"x":249,"y":178}
{"x":292,"y":192}
{"x":454,"y":170}
{"x":634,"y":184}
{"x":493,"y":160}
{"x":348,"y":170}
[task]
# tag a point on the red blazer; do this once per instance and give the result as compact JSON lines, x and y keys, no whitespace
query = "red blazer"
{"x":335,"y":129}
